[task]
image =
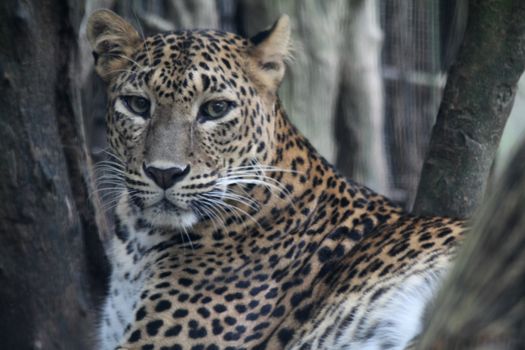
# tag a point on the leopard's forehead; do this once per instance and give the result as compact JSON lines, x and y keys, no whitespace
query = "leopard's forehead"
{"x":179,"y":48}
{"x":166,"y":61}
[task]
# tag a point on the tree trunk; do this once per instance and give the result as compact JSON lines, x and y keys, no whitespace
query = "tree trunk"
{"x":478,"y":97}
{"x":483,"y":302}
{"x":50,"y":255}
{"x":359,"y":118}
{"x":189,"y":14}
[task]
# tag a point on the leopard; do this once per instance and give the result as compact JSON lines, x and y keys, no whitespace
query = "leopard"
{"x":231,"y":231}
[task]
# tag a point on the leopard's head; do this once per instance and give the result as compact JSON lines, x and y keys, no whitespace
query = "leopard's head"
{"x":189,"y":114}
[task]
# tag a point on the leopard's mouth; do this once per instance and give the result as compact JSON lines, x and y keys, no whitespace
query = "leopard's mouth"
{"x":160,"y":202}
{"x":165,"y":213}
{"x":171,"y":209}
{"x":166,"y":205}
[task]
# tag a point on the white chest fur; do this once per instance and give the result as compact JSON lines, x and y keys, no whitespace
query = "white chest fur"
{"x":373,"y":321}
{"x":397,"y":316}
{"x":128,"y":276}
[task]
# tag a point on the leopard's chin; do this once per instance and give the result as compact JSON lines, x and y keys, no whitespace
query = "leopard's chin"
{"x":166,"y":215}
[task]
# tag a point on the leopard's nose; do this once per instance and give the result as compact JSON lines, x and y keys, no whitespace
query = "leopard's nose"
{"x":167,"y":177}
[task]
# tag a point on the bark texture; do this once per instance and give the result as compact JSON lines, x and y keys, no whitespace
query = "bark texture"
{"x":483,"y":302}
{"x":477,"y":100}
{"x":50,"y":253}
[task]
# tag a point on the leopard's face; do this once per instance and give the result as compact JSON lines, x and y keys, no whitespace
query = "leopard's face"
{"x":189,"y":115}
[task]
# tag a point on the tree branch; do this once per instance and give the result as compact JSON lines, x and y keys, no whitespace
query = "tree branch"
{"x":483,"y":302}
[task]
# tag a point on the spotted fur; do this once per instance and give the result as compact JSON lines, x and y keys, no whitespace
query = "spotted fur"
{"x":256,"y":242}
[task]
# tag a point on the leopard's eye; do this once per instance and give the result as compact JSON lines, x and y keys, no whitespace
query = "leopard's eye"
{"x":138,"y":105}
{"x":215,"y":109}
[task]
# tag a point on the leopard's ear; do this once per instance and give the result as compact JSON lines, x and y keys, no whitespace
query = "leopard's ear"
{"x":113,"y":41}
{"x":269,"y":52}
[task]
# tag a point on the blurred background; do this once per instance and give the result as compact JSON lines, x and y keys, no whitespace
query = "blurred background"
{"x":364,"y":86}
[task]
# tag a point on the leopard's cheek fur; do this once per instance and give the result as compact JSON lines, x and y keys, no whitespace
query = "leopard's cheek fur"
{"x":238,"y":141}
